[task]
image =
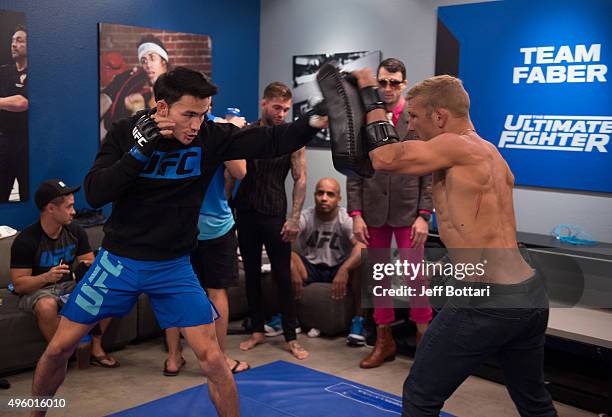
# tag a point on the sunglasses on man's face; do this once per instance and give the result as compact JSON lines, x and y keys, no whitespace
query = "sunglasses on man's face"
{"x":384,"y":82}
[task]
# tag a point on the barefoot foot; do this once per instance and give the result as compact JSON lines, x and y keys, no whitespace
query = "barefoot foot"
{"x":254,"y":340}
{"x":296,"y":350}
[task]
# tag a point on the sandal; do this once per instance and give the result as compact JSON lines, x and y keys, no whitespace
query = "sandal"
{"x":104,"y":361}
{"x":237,"y":364}
{"x":166,"y":372}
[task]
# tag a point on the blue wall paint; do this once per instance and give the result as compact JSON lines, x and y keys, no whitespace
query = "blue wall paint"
{"x":63,"y":74}
{"x":486,"y":66}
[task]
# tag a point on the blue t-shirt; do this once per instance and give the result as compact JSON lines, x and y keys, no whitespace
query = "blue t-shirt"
{"x":216,"y":217}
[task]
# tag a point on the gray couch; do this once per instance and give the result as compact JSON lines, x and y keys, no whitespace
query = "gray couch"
{"x":22,"y":343}
{"x":315,"y":308}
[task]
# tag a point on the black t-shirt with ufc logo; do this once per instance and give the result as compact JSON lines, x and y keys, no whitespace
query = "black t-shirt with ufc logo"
{"x":34,"y":250}
{"x":13,"y":83}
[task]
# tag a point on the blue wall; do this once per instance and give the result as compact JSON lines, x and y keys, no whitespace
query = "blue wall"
{"x":63,"y":74}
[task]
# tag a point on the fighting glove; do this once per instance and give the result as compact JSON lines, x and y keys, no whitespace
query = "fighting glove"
{"x":146,"y":135}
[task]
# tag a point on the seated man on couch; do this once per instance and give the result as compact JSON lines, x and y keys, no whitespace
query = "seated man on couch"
{"x":326,"y":251}
{"x":41,"y":259}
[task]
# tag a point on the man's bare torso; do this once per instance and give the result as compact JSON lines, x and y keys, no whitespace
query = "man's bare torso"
{"x":475,"y":213}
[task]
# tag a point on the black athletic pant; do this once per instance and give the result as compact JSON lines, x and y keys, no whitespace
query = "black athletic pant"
{"x":254,"y":230}
{"x":509,"y":325}
{"x":13,"y":165}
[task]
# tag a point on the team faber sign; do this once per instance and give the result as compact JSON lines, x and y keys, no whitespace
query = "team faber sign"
{"x":572,"y":64}
{"x":539,"y":85}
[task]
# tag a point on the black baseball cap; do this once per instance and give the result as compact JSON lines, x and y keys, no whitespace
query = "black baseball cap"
{"x":50,"y":189}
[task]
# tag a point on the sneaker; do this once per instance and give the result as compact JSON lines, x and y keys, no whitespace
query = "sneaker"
{"x":356,"y":336}
{"x":314,"y":332}
{"x":275,"y":327}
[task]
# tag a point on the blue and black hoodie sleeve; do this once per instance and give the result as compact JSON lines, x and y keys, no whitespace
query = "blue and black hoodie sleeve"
{"x":227,"y":142}
{"x":114,"y":169}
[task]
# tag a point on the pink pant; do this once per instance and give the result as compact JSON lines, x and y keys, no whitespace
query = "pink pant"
{"x":380,"y":238}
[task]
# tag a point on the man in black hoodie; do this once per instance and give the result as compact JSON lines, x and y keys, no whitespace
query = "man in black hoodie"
{"x":155,"y":170}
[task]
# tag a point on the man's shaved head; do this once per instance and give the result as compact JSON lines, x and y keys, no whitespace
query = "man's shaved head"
{"x":327,"y":196}
{"x":330,"y":182}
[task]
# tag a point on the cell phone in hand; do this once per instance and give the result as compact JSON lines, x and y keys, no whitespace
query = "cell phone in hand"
{"x":67,"y":276}
{"x":80,"y":271}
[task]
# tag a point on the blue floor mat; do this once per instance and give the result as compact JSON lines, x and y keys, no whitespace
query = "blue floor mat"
{"x":281,"y":389}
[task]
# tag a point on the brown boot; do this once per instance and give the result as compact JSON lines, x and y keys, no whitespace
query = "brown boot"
{"x":384,"y":350}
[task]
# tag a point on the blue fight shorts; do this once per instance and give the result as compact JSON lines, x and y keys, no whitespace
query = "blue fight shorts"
{"x":113,"y":283}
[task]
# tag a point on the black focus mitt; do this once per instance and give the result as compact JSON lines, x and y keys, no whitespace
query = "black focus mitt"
{"x":346,"y":122}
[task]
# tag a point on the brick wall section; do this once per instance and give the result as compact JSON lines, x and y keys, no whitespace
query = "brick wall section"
{"x":184,"y":49}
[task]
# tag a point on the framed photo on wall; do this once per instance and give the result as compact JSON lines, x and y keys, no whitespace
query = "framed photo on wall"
{"x":305,"y":85}
{"x":131,"y":60}
{"x":14,"y":165}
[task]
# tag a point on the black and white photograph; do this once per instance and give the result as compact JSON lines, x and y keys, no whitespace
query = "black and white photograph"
{"x":305,"y":89}
{"x":14,"y":175}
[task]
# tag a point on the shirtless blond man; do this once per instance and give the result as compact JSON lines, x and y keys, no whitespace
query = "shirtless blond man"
{"x":472,"y":194}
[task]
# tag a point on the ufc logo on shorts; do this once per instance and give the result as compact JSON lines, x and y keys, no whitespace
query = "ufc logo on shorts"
{"x":174,"y":165}
{"x":94,"y":288}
